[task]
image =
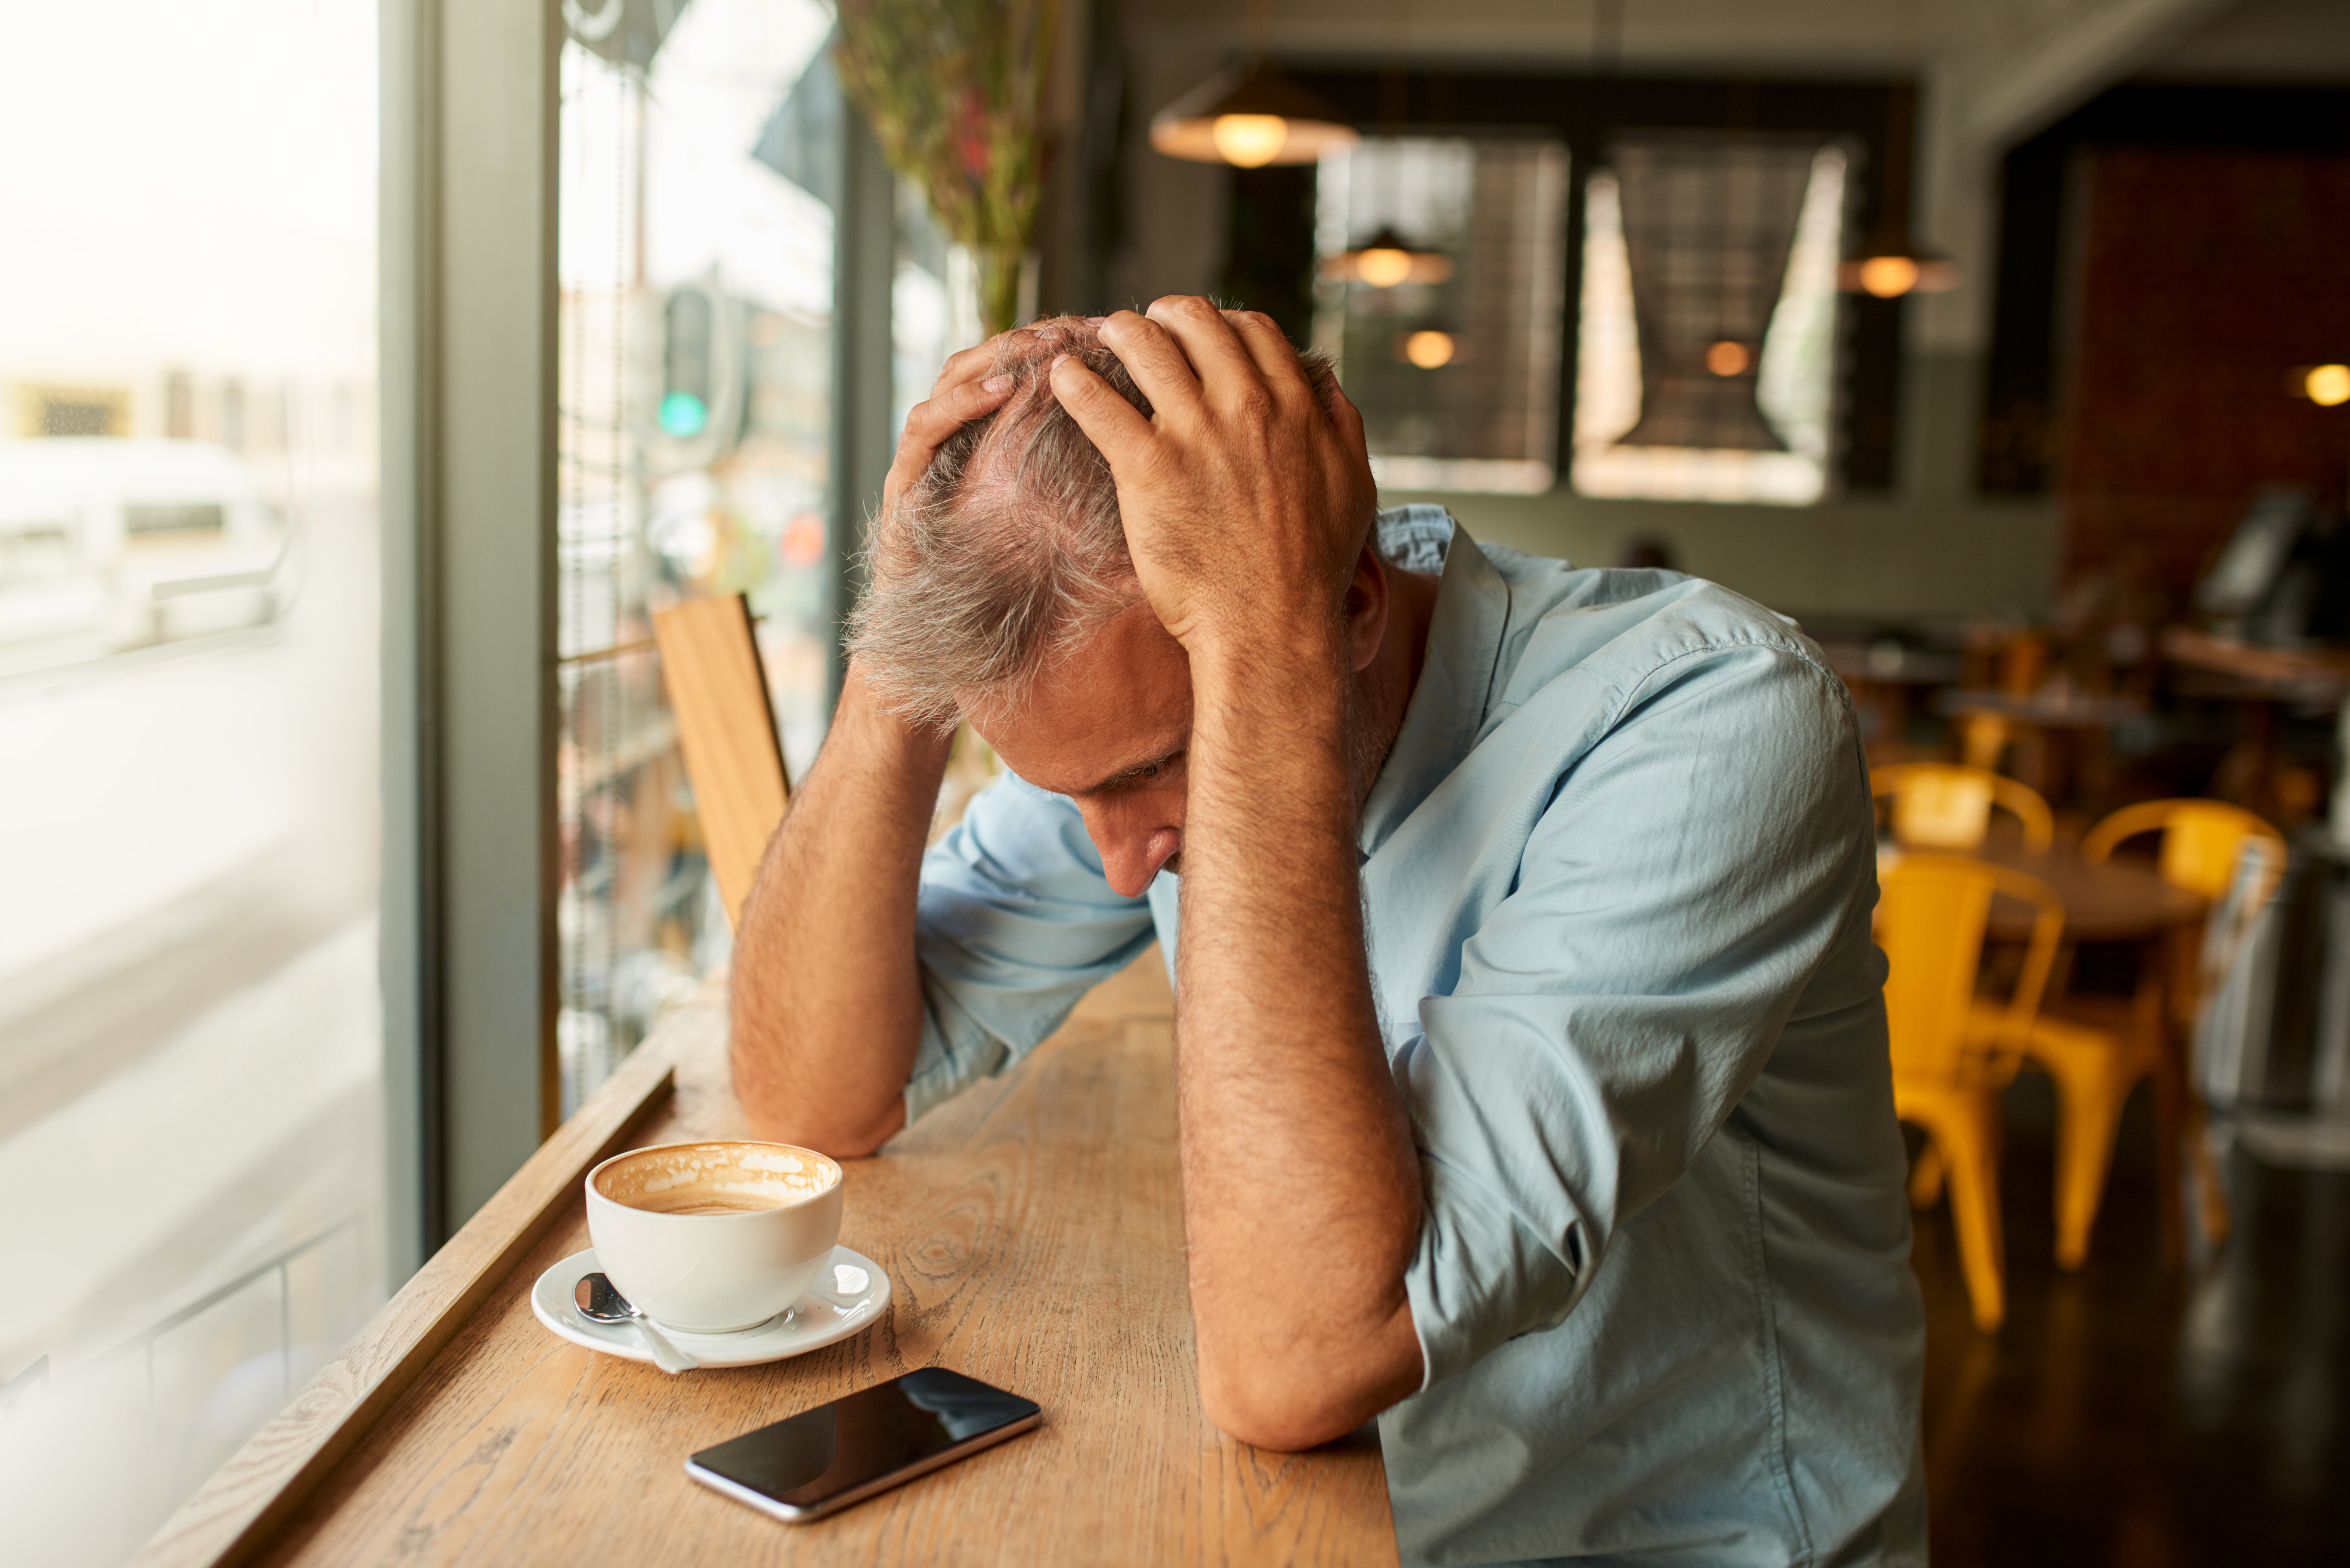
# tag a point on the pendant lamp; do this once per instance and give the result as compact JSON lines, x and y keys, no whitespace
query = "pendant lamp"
{"x":1385,"y":260}
{"x":1891,"y":262}
{"x":2327,"y":385}
{"x":1251,"y":115}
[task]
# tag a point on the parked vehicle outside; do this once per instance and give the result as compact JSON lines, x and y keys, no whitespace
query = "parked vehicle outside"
{"x":108,"y":545}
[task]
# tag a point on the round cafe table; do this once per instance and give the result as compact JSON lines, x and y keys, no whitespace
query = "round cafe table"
{"x":2120,"y":900}
{"x":2123,"y":900}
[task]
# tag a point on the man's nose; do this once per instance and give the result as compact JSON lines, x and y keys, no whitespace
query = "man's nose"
{"x":1131,"y":859}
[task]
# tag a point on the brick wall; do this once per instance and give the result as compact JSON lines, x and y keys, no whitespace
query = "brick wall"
{"x":2202,"y":277}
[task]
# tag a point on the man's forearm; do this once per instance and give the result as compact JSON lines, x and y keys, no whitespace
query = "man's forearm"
{"x":828,"y":1005}
{"x":1298,"y":1154}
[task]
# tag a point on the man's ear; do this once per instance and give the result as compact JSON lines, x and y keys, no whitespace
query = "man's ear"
{"x":1367,"y":607}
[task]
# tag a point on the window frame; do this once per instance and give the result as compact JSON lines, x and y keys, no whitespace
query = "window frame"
{"x":468,"y":344}
{"x":467,"y":457}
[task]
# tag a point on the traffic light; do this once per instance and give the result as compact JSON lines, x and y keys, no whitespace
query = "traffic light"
{"x":688,"y":368}
{"x":686,"y":322}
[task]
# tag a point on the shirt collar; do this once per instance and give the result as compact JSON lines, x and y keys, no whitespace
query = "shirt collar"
{"x":1456,"y":675}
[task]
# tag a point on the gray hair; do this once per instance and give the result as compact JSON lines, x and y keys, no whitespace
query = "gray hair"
{"x":1009,"y":552}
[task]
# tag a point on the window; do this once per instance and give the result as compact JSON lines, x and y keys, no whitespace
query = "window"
{"x":697,"y":163}
{"x":1708,"y":346}
{"x":933,"y":305}
{"x":191,"y":1086}
{"x":1455,"y":361}
{"x":81,"y":413}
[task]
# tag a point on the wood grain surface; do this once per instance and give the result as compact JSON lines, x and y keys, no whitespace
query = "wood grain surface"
{"x":726,"y":727}
{"x":1032,"y":1234}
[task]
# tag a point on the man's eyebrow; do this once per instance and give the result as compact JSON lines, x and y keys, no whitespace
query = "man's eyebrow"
{"x":1136,"y":770}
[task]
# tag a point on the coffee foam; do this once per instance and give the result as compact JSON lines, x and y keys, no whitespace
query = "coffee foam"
{"x":717,"y":1178}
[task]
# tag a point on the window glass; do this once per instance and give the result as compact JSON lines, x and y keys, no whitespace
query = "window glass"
{"x":1441,"y":269}
{"x":190,"y":1023}
{"x":1707,"y":343}
{"x":933,"y":305}
{"x":699,"y":160}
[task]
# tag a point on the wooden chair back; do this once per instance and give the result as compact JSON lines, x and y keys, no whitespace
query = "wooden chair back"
{"x":726,"y":727}
{"x":1930,"y":924}
{"x":1983,"y":736}
{"x":1939,"y":805}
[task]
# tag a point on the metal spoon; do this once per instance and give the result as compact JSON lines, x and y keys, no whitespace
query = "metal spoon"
{"x":599,"y":1302}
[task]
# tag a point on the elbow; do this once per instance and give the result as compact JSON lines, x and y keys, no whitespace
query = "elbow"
{"x":1304,"y":1396}
{"x":776,"y":1110}
{"x":1265,"y":1419}
{"x":797,"y":1083}
{"x":1284,"y":1409}
{"x":835,"y":1139}
{"x":787,"y":1118}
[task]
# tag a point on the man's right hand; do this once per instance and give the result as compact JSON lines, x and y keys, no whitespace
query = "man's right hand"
{"x":964,"y":391}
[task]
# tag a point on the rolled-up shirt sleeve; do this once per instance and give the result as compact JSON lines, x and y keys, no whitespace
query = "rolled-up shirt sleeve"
{"x":1014,"y":923}
{"x":1692,"y":870}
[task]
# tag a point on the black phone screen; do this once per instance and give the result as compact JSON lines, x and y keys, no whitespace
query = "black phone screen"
{"x":819,"y":1455}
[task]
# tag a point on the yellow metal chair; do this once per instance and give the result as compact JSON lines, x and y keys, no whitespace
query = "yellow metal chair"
{"x":1983,"y":738}
{"x":1948,"y":1071}
{"x":1941,"y":805}
{"x":2098,"y":1048}
{"x":2202,"y":840}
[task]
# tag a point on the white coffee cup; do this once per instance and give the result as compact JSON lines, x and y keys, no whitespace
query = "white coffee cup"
{"x":710,"y":1238}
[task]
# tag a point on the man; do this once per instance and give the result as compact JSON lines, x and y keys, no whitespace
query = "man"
{"x":1528,"y":1024}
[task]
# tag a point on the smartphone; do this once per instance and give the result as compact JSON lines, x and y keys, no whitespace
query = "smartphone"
{"x":821,"y":1460}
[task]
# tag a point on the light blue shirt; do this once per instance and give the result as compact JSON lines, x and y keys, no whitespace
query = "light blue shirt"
{"x":1620,"y":867}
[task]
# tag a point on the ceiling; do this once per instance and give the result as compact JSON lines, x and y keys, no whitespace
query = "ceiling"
{"x":2286,"y":39}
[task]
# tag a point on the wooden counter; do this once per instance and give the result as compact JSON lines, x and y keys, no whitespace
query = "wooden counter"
{"x":1032,"y":1234}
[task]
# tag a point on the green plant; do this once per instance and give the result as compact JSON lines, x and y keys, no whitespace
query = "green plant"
{"x":955,"y":91}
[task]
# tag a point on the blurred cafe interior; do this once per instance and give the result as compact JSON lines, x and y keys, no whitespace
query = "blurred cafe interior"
{"x":437,"y":445}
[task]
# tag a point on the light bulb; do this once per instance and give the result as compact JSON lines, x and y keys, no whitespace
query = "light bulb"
{"x":1428,"y":349}
{"x":1727,"y":358}
{"x":1250,"y":140}
{"x":1383,"y":268}
{"x":2328,"y":385}
{"x":1888,"y":278}
{"x":681,"y":414}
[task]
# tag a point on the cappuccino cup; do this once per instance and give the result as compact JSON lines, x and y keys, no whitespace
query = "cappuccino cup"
{"x":711,"y":1238}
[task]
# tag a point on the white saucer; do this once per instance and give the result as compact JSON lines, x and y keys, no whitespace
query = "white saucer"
{"x":850,"y":1294}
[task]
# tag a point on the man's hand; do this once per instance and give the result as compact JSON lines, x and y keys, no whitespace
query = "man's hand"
{"x":964,"y":391}
{"x":1246,"y":502}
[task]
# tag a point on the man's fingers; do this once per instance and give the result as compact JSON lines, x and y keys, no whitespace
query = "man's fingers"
{"x":934,"y":422}
{"x":1155,"y":360}
{"x":1268,"y":349}
{"x":1109,"y":421}
{"x":977,"y":362}
{"x":971,"y":365}
{"x":1221,"y":361}
{"x":1349,"y":420}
